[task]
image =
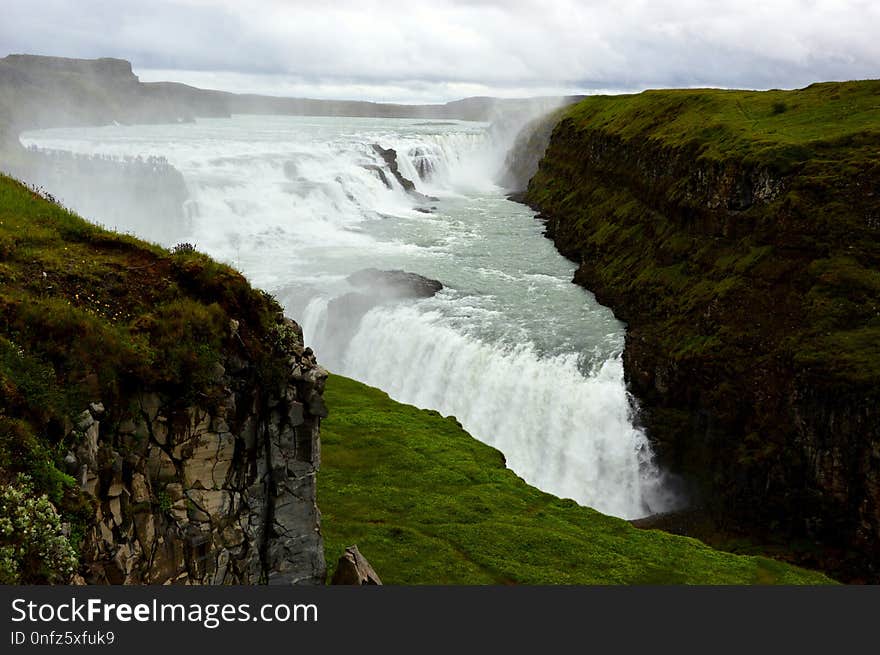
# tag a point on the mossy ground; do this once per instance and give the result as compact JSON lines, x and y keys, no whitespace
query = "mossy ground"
{"x":426,"y":503}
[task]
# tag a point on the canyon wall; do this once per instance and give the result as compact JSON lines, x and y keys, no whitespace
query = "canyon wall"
{"x":737,"y":234}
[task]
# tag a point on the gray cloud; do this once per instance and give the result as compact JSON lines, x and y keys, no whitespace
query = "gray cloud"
{"x":434,"y":49}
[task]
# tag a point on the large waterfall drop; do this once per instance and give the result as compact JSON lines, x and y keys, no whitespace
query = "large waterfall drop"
{"x":526,"y":361}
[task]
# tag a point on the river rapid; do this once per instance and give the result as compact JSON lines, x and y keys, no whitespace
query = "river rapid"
{"x":527,"y":361}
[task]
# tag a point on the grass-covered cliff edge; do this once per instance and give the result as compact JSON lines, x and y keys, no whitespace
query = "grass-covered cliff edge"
{"x":738,"y":235}
{"x":166,"y":410}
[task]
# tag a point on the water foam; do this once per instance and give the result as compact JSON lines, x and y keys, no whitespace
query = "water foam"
{"x":566,"y":433}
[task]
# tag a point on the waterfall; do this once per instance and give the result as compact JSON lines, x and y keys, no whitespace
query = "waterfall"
{"x":526,"y":361}
{"x":566,"y":433}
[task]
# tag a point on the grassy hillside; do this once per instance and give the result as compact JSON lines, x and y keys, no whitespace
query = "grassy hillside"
{"x":779,"y":127}
{"x":88,"y":315}
{"x":428,"y":504}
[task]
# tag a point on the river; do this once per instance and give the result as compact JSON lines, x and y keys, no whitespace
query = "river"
{"x":527,"y":361}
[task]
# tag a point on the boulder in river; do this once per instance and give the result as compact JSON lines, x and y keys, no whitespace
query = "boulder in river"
{"x":373,"y":288}
{"x":394,"y":284}
{"x":389,"y":156}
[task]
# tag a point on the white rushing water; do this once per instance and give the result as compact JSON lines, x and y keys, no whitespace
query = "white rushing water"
{"x":527,"y":361}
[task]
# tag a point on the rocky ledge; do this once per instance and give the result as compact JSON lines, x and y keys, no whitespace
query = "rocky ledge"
{"x":220,"y":493}
{"x":394,"y":284}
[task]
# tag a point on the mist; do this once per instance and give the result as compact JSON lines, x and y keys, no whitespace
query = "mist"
{"x":146,"y":195}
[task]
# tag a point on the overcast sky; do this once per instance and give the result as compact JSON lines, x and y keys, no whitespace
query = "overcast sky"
{"x":437,"y":50}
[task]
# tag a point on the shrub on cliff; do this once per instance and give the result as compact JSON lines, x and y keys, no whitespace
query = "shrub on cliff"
{"x":33,"y":546}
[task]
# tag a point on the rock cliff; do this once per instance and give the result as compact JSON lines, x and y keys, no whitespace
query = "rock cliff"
{"x":168,"y":410}
{"x":209,"y":493}
{"x":737,"y":235}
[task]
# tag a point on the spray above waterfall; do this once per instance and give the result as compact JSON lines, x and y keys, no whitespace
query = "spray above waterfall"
{"x":527,"y":361}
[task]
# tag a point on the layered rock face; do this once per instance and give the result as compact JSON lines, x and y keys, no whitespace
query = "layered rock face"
{"x":748,"y":282}
{"x":215,"y":493}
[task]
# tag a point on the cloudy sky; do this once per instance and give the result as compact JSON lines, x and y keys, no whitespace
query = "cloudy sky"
{"x":437,"y":50}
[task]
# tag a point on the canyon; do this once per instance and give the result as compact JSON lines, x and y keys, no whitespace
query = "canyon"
{"x":733,"y":233}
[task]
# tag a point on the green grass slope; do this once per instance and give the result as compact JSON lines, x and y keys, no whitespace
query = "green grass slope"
{"x":781,"y":128}
{"x":88,"y":315}
{"x":428,"y":504}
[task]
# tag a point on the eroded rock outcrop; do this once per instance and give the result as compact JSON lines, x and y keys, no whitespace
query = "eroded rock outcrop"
{"x":217,"y":492}
{"x":354,"y":569}
{"x":389,"y":156}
